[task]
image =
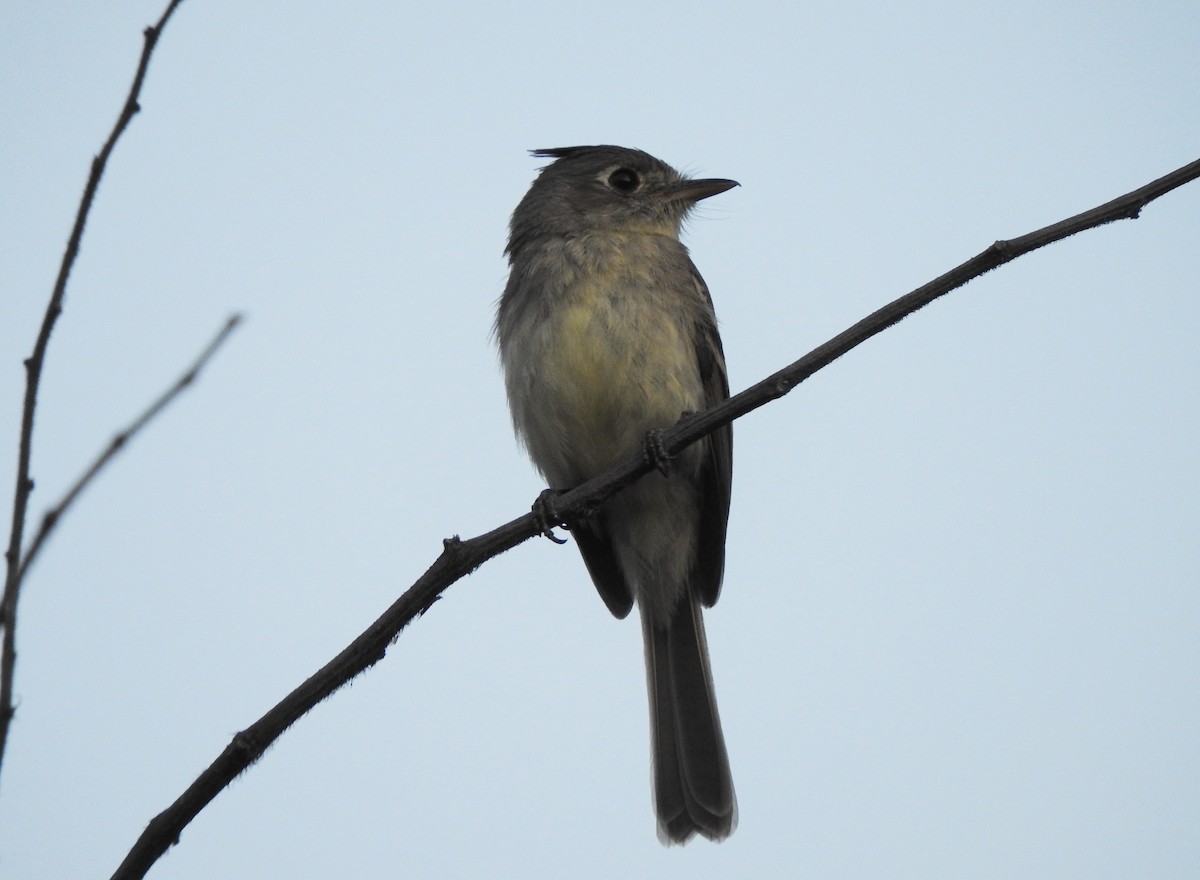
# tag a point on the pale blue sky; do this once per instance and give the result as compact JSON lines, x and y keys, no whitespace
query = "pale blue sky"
{"x":960,"y":631}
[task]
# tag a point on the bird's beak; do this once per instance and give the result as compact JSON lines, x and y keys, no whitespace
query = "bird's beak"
{"x":695,"y":190}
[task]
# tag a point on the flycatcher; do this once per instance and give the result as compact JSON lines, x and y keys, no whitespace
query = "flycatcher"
{"x":606,"y":332}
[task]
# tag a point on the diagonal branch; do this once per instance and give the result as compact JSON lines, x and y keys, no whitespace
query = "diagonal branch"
{"x":119,"y":441}
{"x":33,"y":376}
{"x":459,"y":558}
{"x":1126,"y":207}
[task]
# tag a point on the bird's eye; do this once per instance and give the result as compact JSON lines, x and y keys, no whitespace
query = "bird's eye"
{"x":624,"y":180}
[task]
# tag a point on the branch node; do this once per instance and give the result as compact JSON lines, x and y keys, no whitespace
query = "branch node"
{"x":246,"y":746}
{"x":453,"y":550}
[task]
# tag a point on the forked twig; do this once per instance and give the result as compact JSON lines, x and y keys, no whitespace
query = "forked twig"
{"x":119,"y":441}
{"x":33,"y":376}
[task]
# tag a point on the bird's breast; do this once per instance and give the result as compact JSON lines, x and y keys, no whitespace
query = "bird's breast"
{"x":608,"y":357}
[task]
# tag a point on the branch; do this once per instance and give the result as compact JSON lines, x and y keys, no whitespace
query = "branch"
{"x":121,"y":439}
{"x":33,"y":376}
{"x":459,"y":558}
{"x":1126,"y":207}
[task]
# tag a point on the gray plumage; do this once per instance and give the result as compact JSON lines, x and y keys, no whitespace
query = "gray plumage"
{"x":606,"y":330}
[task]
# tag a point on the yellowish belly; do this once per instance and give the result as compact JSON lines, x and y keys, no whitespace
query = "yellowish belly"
{"x":611,"y":369}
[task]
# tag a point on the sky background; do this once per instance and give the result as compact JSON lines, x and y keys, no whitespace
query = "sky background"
{"x":960,"y":630}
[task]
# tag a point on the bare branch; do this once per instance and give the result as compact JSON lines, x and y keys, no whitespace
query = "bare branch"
{"x":1126,"y":207}
{"x":33,"y":375}
{"x":459,"y":558}
{"x":54,"y":515}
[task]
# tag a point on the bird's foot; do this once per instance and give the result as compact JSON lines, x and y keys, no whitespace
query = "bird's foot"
{"x":655,"y":453}
{"x":546,"y":515}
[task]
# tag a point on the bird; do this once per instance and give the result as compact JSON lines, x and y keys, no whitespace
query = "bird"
{"x":607,"y":334}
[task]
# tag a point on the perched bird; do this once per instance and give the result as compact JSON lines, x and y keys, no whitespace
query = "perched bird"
{"x":607,"y":332}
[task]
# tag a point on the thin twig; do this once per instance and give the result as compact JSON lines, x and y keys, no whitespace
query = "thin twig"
{"x":119,"y":441}
{"x":33,"y":375}
{"x":459,"y":558}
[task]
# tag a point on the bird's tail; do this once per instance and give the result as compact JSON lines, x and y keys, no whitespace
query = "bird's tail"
{"x":693,"y":789}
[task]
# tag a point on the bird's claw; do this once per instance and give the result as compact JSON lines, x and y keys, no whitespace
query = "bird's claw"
{"x":546,"y":515}
{"x":656,"y":453}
